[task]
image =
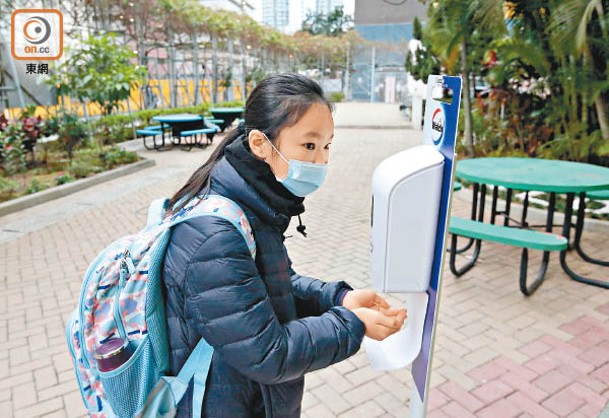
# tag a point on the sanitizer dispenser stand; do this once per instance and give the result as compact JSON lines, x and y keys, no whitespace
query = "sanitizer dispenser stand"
{"x":411,"y":194}
{"x":405,"y":205}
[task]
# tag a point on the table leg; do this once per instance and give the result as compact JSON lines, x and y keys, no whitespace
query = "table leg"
{"x":524,"y":260}
{"x":546,"y":254}
{"x":494,"y":205}
{"x":482,"y":202}
{"x":563,"y":254}
{"x":452,"y":260}
{"x":162,"y":147}
{"x":551,"y":210}
{"x":508,"y":206}
{"x":579,"y":229}
{"x":476,"y":188}
{"x":475,"y":200}
{"x":525,"y":209}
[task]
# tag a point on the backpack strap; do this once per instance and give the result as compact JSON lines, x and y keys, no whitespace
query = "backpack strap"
{"x":198,"y":363}
{"x":156,"y":210}
{"x":222,"y":207}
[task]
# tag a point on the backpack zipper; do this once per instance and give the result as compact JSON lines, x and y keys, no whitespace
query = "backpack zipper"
{"x":126,"y":270}
{"x":83,"y":293}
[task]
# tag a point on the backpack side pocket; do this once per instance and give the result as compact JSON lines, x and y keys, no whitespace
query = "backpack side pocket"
{"x":128,"y":385}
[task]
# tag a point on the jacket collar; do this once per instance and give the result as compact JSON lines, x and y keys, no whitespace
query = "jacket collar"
{"x":243,"y":178}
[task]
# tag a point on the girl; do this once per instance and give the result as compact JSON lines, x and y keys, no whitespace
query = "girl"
{"x":267,"y":324}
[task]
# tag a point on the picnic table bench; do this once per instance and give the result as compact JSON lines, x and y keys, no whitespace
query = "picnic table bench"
{"x":523,"y":238}
{"x":194,"y":137}
{"x":155,"y":132}
{"x":184,"y":129}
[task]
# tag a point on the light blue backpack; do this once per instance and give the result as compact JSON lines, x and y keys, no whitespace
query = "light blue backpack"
{"x":122,"y":296}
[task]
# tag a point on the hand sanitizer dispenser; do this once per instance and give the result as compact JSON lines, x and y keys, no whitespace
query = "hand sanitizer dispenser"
{"x":405,"y":202}
{"x":406,"y":189}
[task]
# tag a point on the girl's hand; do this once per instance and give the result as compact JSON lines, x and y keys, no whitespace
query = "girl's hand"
{"x":381,"y":324}
{"x":364,"y":298}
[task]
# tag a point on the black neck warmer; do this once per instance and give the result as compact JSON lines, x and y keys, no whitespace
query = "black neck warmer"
{"x":258,"y":174}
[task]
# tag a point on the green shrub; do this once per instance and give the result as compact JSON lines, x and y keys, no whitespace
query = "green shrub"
{"x":72,"y":132}
{"x":12,"y":150}
{"x":63,"y":178}
{"x":36,"y":186}
{"x":336,"y":96}
{"x":50,"y":126}
{"x":112,"y":129}
{"x":87,"y":156}
{"x":82,"y":169}
{"x":7,"y":188}
{"x":234,"y":103}
{"x":115,"y":156}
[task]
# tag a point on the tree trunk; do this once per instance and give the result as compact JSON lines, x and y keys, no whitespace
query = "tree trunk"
{"x":214,"y":71}
{"x":231,"y":72}
{"x":173,"y":96}
{"x":243,"y":73}
{"x":601,"y":111}
{"x":467,"y":101}
{"x":142,"y":58}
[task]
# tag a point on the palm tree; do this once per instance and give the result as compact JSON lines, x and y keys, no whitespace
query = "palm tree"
{"x":451,"y":26}
{"x":579,"y":29}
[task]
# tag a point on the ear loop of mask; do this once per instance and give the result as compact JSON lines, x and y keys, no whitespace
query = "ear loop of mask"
{"x":276,"y":150}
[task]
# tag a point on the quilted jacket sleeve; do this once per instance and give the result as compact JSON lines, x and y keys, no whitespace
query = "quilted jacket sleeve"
{"x":312,"y":296}
{"x":227,"y":302}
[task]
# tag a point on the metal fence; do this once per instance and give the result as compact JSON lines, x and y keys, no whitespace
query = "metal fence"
{"x":377,"y":75}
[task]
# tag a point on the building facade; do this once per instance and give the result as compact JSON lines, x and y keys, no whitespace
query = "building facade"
{"x":327,"y":6}
{"x":276,"y":14}
{"x":379,"y":72}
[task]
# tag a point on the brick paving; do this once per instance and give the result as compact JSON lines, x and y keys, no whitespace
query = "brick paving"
{"x":498,"y":354}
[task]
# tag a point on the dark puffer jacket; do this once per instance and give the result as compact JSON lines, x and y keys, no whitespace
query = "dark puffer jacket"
{"x":268,"y":325}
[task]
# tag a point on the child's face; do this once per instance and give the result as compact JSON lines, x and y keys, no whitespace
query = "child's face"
{"x":308,"y":140}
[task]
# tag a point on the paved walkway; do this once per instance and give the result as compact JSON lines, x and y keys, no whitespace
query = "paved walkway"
{"x":498,"y":354}
{"x":369,"y":115}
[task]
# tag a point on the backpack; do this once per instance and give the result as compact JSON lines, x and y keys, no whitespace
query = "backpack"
{"x":122,"y":296}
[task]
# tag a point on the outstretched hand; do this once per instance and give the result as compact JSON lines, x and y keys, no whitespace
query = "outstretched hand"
{"x":375,"y":312}
{"x":381,"y":324}
{"x":364,"y":298}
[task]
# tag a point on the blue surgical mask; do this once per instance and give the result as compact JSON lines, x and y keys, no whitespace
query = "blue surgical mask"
{"x":303,"y":177}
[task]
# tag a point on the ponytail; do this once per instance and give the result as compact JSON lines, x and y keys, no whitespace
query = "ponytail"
{"x":200,"y":179}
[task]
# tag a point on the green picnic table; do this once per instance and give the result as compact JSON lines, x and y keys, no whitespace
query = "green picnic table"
{"x":529,"y":174}
{"x":185,"y":126}
{"x":228,"y":114}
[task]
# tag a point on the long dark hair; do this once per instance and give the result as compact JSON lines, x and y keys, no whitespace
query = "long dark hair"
{"x":278,"y":102}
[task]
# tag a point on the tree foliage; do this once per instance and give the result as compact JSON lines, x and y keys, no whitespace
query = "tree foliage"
{"x":335,"y":23}
{"x":544,"y":65}
{"x":422,"y":62}
{"x":98,"y":70}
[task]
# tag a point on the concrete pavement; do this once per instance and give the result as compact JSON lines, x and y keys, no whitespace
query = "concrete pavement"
{"x":498,"y":354}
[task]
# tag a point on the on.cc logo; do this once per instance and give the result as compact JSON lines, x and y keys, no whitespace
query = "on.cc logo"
{"x":37,"y":30}
{"x":37,"y":34}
